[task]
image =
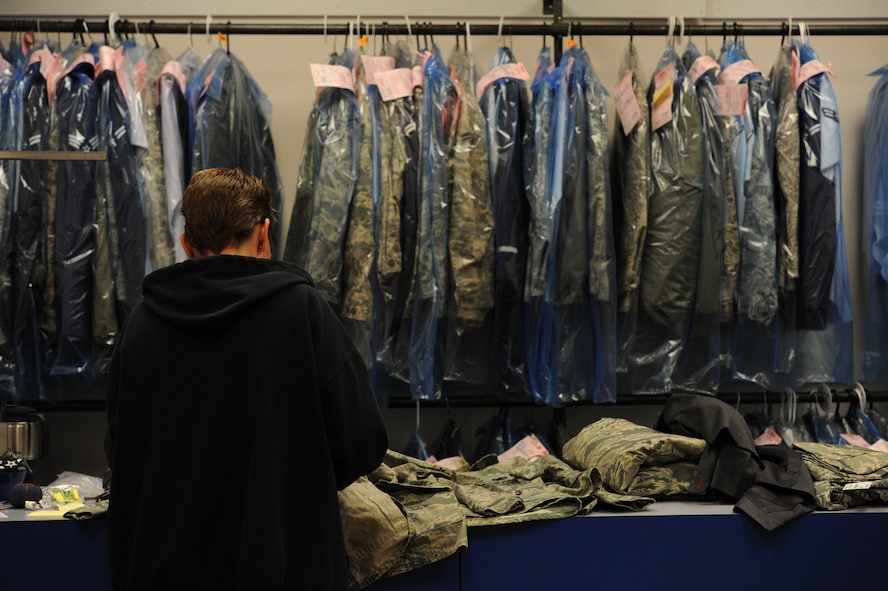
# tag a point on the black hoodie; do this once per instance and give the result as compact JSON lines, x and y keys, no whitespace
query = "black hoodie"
{"x":237,"y":408}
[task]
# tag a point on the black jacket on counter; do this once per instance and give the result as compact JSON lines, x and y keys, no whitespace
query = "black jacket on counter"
{"x":770,"y":483}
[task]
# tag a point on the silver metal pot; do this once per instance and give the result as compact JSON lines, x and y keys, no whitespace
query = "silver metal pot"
{"x":24,"y":432}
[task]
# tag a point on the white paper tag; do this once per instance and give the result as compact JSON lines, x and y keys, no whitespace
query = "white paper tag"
{"x":858,"y":485}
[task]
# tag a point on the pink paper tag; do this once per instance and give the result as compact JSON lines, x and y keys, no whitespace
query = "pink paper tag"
{"x":517,"y":71}
{"x":855,"y":440}
{"x":769,"y":437}
{"x":626,"y":103}
{"x":880,"y":445}
{"x":732,"y":99}
{"x":701,"y":65}
{"x":808,"y":70}
{"x":174,"y":68}
{"x":661,"y":105}
{"x":737,"y":71}
{"x":106,"y":59}
{"x":394,"y":84}
{"x":325,"y":75}
{"x":453,"y":462}
{"x":374,"y":64}
{"x":530,"y":448}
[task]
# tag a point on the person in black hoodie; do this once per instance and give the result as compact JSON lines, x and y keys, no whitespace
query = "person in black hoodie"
{"x":237,"y":408}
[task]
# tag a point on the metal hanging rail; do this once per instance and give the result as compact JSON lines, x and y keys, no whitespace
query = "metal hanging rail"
{"x":556,"y":29}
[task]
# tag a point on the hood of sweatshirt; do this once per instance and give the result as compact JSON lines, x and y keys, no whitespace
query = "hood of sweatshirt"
{"x":206,"y":293}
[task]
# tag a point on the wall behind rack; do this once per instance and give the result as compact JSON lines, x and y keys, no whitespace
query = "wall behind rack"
{"x":280,"y":64}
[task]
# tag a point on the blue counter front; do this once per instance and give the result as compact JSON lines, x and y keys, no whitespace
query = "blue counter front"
{"x":670,"y":545}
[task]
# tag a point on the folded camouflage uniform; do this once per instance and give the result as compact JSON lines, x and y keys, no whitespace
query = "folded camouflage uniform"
{"x":845,"y":475}
{"x":634,"y":459}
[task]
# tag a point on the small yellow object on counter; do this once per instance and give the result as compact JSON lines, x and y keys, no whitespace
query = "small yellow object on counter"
{"x":58,"y":513}
{"x":66,"y":495}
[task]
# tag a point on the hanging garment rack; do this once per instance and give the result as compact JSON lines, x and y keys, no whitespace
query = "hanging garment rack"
{"x":558,"y":29}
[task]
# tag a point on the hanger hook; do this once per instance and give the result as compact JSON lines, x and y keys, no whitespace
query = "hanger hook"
{"x":153,"y":36}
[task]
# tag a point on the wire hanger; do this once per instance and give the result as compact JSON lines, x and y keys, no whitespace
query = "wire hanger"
{"x":153,"y":36}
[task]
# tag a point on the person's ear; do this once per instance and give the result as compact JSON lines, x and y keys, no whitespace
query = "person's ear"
{"x":264,"y":245}
{"x":186,"y":246}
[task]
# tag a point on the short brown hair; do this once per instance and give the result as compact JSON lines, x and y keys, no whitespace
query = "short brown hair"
{"x":222,"y":206}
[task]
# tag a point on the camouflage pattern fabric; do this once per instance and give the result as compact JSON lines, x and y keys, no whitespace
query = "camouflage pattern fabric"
{"x":634,"y":459}
{"x":731,"y":259}
{"x":377,"y":532}
{"x":357,"y":297}
{"x":633,"y":155}
{"x":424,"y":510}
{"x":392,"y":162}
{"x":425,"y":494}
{"x":832,"y":496}
{"x":470,"y":240}
{"x":337,"y":140}
{"x":517,"y":491}
{"x":160,"y":241}
{"x":602,"y":266}
{"x":436,"y":123}
{"x":787,"y":164}
{"x":833,"y":467}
